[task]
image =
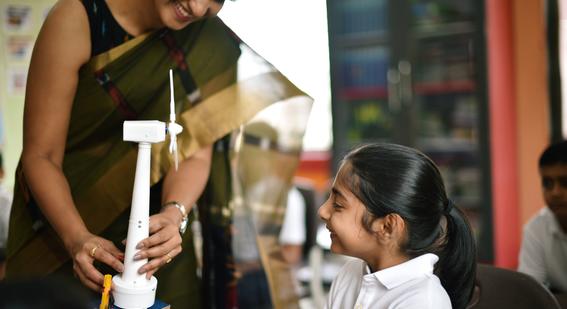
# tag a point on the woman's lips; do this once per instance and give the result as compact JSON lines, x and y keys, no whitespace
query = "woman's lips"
{"x":181,"y":12}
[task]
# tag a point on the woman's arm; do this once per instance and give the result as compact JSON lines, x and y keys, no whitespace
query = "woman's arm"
{"x":184,"y":186}
{"x":62,"y":47}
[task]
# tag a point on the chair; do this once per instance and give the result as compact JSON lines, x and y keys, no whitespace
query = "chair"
{"x":504,"y":288}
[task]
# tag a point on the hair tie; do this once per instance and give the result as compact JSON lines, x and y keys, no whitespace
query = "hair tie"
{"x":449,"y":206}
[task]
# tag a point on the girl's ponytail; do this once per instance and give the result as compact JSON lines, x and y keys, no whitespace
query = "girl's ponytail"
{"x":456,"y":269}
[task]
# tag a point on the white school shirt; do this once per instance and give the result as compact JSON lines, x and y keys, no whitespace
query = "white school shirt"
{"x":293,"y":226}
{"x":543,"y":254}
{"x":411,"y":284}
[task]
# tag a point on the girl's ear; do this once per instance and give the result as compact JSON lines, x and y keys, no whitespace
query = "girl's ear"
{"x":390,"y":227}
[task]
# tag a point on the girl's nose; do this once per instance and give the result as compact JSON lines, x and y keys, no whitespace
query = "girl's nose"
{"x":323,"y":211}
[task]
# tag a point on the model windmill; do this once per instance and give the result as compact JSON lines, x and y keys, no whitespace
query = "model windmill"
{"x":131,"y":289}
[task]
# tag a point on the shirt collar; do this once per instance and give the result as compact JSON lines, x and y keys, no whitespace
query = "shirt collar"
{"x":553,"y":226}
{"x":394,"y":276}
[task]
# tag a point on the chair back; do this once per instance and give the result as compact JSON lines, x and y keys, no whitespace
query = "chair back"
{"x":504,"y":288}
{"x":308,"y":193}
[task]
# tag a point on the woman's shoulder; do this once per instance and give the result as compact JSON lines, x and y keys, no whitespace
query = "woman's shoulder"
{"x":65,"y":13}
{"x":65,"y":31}
{"x":74,"y":7}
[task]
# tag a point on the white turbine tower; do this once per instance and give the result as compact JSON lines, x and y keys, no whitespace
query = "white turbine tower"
{"x":131,"y":289}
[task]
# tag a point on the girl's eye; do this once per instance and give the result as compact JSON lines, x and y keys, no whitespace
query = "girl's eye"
{"x":337,"y":206}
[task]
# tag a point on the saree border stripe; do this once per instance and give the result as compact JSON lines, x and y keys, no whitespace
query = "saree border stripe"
{"x":176,"y":54}
{"x":122,"y":105}
{"x":100,"y":61}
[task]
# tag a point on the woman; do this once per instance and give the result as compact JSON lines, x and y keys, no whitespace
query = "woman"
{"x":95,"y":64}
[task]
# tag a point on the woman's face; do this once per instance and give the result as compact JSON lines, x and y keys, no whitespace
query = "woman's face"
{"x":342,"y":214}
{"x":177,"y":14}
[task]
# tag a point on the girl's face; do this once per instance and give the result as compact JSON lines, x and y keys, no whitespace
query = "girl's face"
{"x":177,"y":14}
{"x":342,"y":213}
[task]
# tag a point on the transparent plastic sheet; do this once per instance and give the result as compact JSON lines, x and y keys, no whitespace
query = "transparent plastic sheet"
{"x":265,"y":157}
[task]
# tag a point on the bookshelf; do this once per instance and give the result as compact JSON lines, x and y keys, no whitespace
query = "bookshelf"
{"x":413,"y":72}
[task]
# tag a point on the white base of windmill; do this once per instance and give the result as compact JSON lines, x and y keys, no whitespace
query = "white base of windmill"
{"x":127,"y":296}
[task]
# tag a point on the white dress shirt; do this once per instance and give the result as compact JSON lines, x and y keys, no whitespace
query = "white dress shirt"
{"x":411,"y":284}
{"x":543,"y":254}
{"x":293,"y":227}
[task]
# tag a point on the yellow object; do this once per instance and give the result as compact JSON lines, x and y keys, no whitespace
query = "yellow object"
{"x":106,"y":292}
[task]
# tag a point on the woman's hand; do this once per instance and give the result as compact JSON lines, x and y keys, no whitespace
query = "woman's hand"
{"x":163,"y":244}
{"x":88,"y":248}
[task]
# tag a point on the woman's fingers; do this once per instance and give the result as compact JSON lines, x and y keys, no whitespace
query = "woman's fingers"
{"x":109,"y":258}
{"x":153,"y":265}
{"x":88,"y":283}
{"x":112,"y":249}
{"x":163,"y":234}
{"x":159,"y":246}
{"x":87,"y":273}
{"x":88,"y":250}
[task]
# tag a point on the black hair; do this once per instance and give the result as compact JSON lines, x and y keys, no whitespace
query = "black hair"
{"x":390,"y":178}
{"x":554,"y":154}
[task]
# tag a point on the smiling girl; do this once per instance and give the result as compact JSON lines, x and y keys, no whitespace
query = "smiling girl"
{"x":389,"y":209}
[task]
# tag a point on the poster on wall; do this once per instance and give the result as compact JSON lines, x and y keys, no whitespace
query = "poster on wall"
{"x":1,"y":131}
{"x":19,"y":48}
{"x":45,"y":13}
{"x":16,"y":17}
{"x":17,"y":78}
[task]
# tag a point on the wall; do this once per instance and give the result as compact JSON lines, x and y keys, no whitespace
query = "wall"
{"x":519,"y":117}
{"x":532,"y":97}
{"x":20,"y":22}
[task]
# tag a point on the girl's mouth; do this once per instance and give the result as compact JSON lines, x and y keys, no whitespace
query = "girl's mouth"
{"x":331,"y":231}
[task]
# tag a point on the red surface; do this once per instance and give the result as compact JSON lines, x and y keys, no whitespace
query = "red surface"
{"x":503,"y":139}
{"x":316,"y":166}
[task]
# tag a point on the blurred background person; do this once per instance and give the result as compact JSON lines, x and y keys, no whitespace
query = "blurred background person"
{"x":543,"y":253}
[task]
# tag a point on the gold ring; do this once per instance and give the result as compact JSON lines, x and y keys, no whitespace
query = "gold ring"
{"x":93,"y":251}
{"x":169,"y":258}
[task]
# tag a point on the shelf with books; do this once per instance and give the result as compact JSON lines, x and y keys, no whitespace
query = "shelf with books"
{"x":362,"y":93}
{"x":433,"y":14}
{"x":451,"y":60}
{"x":412,"y":74}
{"x":360,"y":39}
{"x":369,"y":120}
{"x":362,"y":67}
{"x":443,"y":30}
{"x":371,"y":15}
{"x":446,"y":144}
{"x":443,"y":87}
